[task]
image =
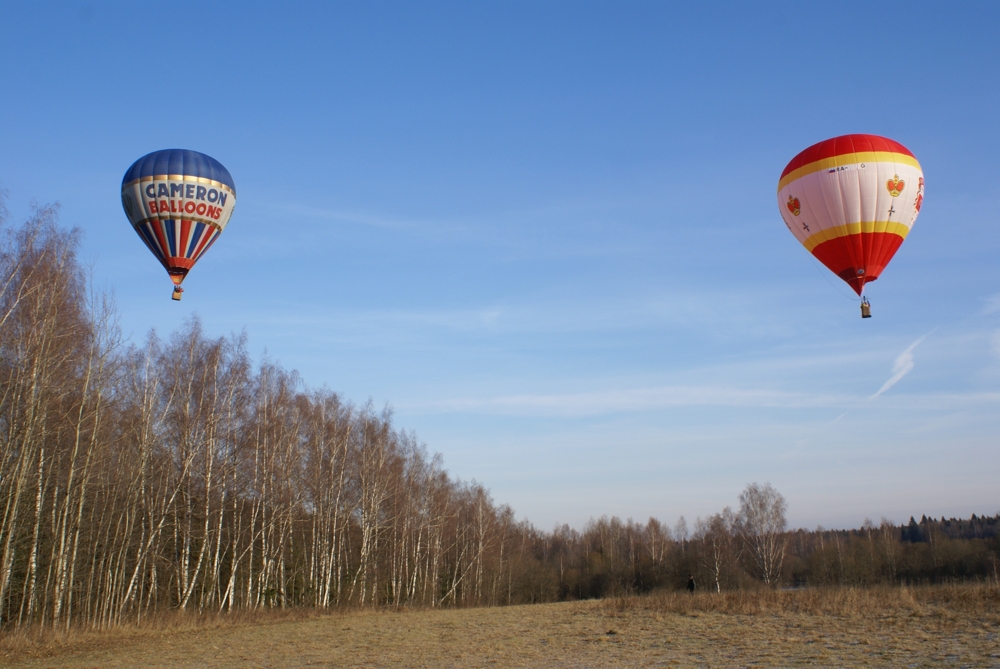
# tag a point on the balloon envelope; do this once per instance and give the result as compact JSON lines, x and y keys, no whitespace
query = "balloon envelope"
{"x":178,"y":202}
{"x":851,"y":201}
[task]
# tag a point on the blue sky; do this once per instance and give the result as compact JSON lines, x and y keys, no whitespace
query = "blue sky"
{"x":547,"y":233}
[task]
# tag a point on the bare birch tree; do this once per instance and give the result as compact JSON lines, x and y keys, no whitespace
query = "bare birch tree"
{"x":761,"y":524}
{"x":720,"y":552}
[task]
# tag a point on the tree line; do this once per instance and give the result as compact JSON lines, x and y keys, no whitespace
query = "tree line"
{"x":176,"y":474}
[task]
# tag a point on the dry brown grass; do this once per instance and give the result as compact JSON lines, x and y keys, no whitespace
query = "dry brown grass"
{"x":46,"y":641}
{"x":914,"y":627}
{"x":966,"y":599}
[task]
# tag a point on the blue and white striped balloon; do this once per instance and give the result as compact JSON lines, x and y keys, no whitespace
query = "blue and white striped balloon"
{"x":178,"y":202}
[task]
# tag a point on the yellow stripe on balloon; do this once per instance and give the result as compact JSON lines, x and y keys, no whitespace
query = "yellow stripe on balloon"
{"x":848,"y":159}
{"x":891,"y":227}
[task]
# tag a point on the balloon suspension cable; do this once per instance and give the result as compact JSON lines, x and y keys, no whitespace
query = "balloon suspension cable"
{"x":837,"y":285}
{"x":178,"y":291}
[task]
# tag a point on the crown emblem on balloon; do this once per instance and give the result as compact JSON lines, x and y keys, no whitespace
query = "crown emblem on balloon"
{"x":895,"y":185}
{"x":793,"y":205}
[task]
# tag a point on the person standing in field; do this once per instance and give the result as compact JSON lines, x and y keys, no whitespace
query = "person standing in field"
{"x":691,"y":585}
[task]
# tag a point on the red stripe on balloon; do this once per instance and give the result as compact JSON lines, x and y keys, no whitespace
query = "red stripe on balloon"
{"x":867,"y":251}
{"x":209,"y":232}
{"x":844,"y":144}
{"x":176,"y":262}
{"x":151,"y":245}
{"x":185,"y":231}
{"x":160,"y":237}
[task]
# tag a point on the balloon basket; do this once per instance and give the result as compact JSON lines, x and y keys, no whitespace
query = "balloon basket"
{"x":866,"y":308}
{"x":178,"y":291}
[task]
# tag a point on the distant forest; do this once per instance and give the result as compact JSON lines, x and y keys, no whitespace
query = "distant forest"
{"x":175,"y":474}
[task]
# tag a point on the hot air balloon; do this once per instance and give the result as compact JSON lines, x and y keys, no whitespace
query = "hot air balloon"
{"x":179,"y":202}
{"x":851,"y":201}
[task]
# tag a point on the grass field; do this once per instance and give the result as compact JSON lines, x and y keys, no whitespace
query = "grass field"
{"x":956,"y":626}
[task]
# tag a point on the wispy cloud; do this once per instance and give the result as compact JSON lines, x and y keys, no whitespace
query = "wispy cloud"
{"x":583,"y":231}
{"x":992,"y":305}
{"x":902,"y":366}
{"x":710,"y":313}
{"x":383,"y":327}
{"x":637,"y":399}
{"x":630,"y":400}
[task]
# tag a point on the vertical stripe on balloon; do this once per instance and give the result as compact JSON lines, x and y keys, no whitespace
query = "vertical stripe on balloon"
{"x":185,"y":237}
{"x":199,"y":229}
{"x":207,"y":242}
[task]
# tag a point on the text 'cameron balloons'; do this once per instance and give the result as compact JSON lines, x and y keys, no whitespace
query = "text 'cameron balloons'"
{"x":179,"y":202}
{"x":851,"y":201}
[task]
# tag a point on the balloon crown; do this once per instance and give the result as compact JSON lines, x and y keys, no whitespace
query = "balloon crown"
{"x":793,"y":205}
{"x":895,"y":185}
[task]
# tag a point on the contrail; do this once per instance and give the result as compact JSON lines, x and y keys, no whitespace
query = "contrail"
{"x":901,"y":367}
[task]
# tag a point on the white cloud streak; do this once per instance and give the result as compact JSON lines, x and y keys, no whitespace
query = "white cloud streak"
{"x":901,"y":367}
{"x":680,"y":396}
{"x":992,"y":305}
{"x":637,"y":399}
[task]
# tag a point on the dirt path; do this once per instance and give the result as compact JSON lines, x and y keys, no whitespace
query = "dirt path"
{"x":580,"y":634}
